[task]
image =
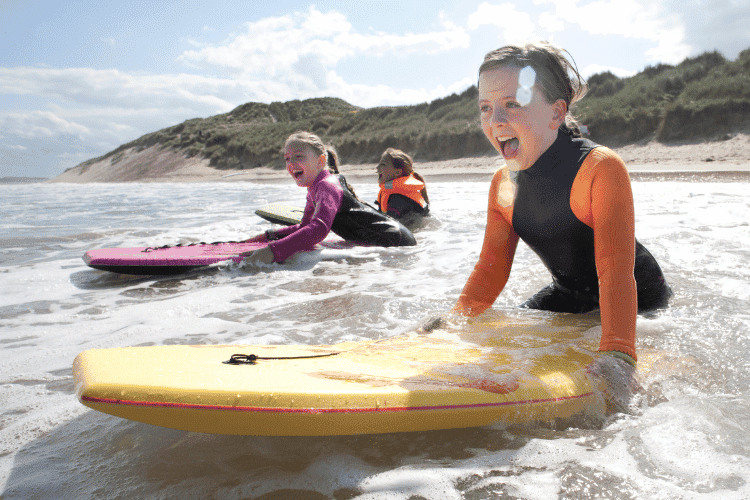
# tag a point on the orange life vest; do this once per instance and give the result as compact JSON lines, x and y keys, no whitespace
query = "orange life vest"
{"x":408,"y":186}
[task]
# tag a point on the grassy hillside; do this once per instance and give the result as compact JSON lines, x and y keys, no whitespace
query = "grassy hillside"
{"x":702,"y":98}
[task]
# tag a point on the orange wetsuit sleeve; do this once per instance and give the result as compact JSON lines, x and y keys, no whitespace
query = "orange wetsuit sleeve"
{"x":602,"y":198}
{"x":498,"y":249}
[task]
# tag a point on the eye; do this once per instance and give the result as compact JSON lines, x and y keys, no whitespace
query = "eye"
{"x":484,"y":108}
{"x":512,"y":104}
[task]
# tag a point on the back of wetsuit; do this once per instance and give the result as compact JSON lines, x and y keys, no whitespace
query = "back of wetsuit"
{"x":400,"y":205}
{"x":544,"y":220}
{"x":358,"y":221}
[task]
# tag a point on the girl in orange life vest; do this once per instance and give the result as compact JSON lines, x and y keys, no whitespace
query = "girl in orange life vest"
{"x":402,"y":190}
{"x":568,"y":198}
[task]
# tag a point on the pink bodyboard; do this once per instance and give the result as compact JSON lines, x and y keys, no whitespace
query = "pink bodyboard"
{"x":176,"y":259}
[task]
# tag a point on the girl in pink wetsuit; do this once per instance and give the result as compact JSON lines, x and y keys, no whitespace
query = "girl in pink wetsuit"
{"x":331,"y":205}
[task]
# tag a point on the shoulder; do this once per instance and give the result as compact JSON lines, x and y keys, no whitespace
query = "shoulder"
{"x":331,"y":182}
{"x":603,"y":164}
{"x":411,"y":181}
{"x":602,"y":180}
{"x":603,"y":153}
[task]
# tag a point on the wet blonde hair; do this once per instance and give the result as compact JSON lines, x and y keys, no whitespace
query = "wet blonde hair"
{"x":403,"y":162}
{"x":556,"y":75}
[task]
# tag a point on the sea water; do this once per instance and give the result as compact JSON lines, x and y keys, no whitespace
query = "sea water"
{"x":688,"y":439}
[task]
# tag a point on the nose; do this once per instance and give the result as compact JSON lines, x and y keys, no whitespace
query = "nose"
{"x":499,"y":115}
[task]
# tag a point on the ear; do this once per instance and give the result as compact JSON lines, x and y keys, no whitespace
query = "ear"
{"x":322,"y":161}
{"x":559,"y":111}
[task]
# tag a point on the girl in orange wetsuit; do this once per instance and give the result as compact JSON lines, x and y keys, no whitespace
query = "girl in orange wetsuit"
{"x":402,"y":190}
{"x":566,"y":197}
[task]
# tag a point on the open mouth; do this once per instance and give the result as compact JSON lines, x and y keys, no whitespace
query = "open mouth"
{"x":509,"y":147}
{"x":297,"y":174}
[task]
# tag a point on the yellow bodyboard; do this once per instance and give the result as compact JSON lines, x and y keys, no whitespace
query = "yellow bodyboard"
{"x":281,"y":214}
{"x":475,"y":374}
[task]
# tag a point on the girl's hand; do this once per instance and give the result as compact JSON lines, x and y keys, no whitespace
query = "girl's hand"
{"x":260,"y":256}
{"x":615,"y":378}
{"x":431,"y":325}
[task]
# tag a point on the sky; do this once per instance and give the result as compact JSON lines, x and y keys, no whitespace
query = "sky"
{"x":80,"y":78}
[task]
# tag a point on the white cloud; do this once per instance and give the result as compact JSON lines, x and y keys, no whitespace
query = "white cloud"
{"x":486,"y":14}
{"x":375,"y":95}
{"x":108,"y":41}
{"x":713,"y":25}
{"x":660,"y":22}
{"x":638,"y":19}
{"x":105,"y":108}
{"x":551,"y":22}
{"x":113,"y":88}
{"x":15,"y":146}
{"x":516,"y":26}
{"x":300,"y":51}
{"x":40,"y":124}
{"x":317,"y":24}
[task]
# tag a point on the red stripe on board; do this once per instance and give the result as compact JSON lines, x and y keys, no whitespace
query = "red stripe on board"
{"x":154,"y":404}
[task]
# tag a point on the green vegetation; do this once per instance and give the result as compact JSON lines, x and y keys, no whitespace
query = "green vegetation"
{"x":702,"y":98}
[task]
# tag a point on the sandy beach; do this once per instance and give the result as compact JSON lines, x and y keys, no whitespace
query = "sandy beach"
{"x":724,"y":159}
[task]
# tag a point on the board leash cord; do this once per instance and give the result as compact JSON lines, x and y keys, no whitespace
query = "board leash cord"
{"x":250,"y":359}
{"x":180,"y":245}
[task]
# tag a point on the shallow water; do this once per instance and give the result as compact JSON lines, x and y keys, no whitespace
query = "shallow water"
{"x":687,"y":439}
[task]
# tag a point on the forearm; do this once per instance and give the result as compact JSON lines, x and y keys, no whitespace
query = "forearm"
{"x":481,"y":289}
{"x":304,"y":238}
{"x":322,"y":209}
{"x":491,"y":272}
{"x":618,"y":303}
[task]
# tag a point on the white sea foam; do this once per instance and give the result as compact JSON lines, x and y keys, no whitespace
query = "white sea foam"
{"x":688,"y":439}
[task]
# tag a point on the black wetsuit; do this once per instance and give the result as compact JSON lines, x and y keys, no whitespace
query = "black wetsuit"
{"x":544,"y":220}
{"x":358,"y":221}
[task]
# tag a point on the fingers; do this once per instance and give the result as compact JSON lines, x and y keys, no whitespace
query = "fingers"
{"x":432,"y":324}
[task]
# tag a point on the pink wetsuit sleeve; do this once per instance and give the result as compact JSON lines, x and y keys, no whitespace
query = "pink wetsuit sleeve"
{"x":323,"y":206}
